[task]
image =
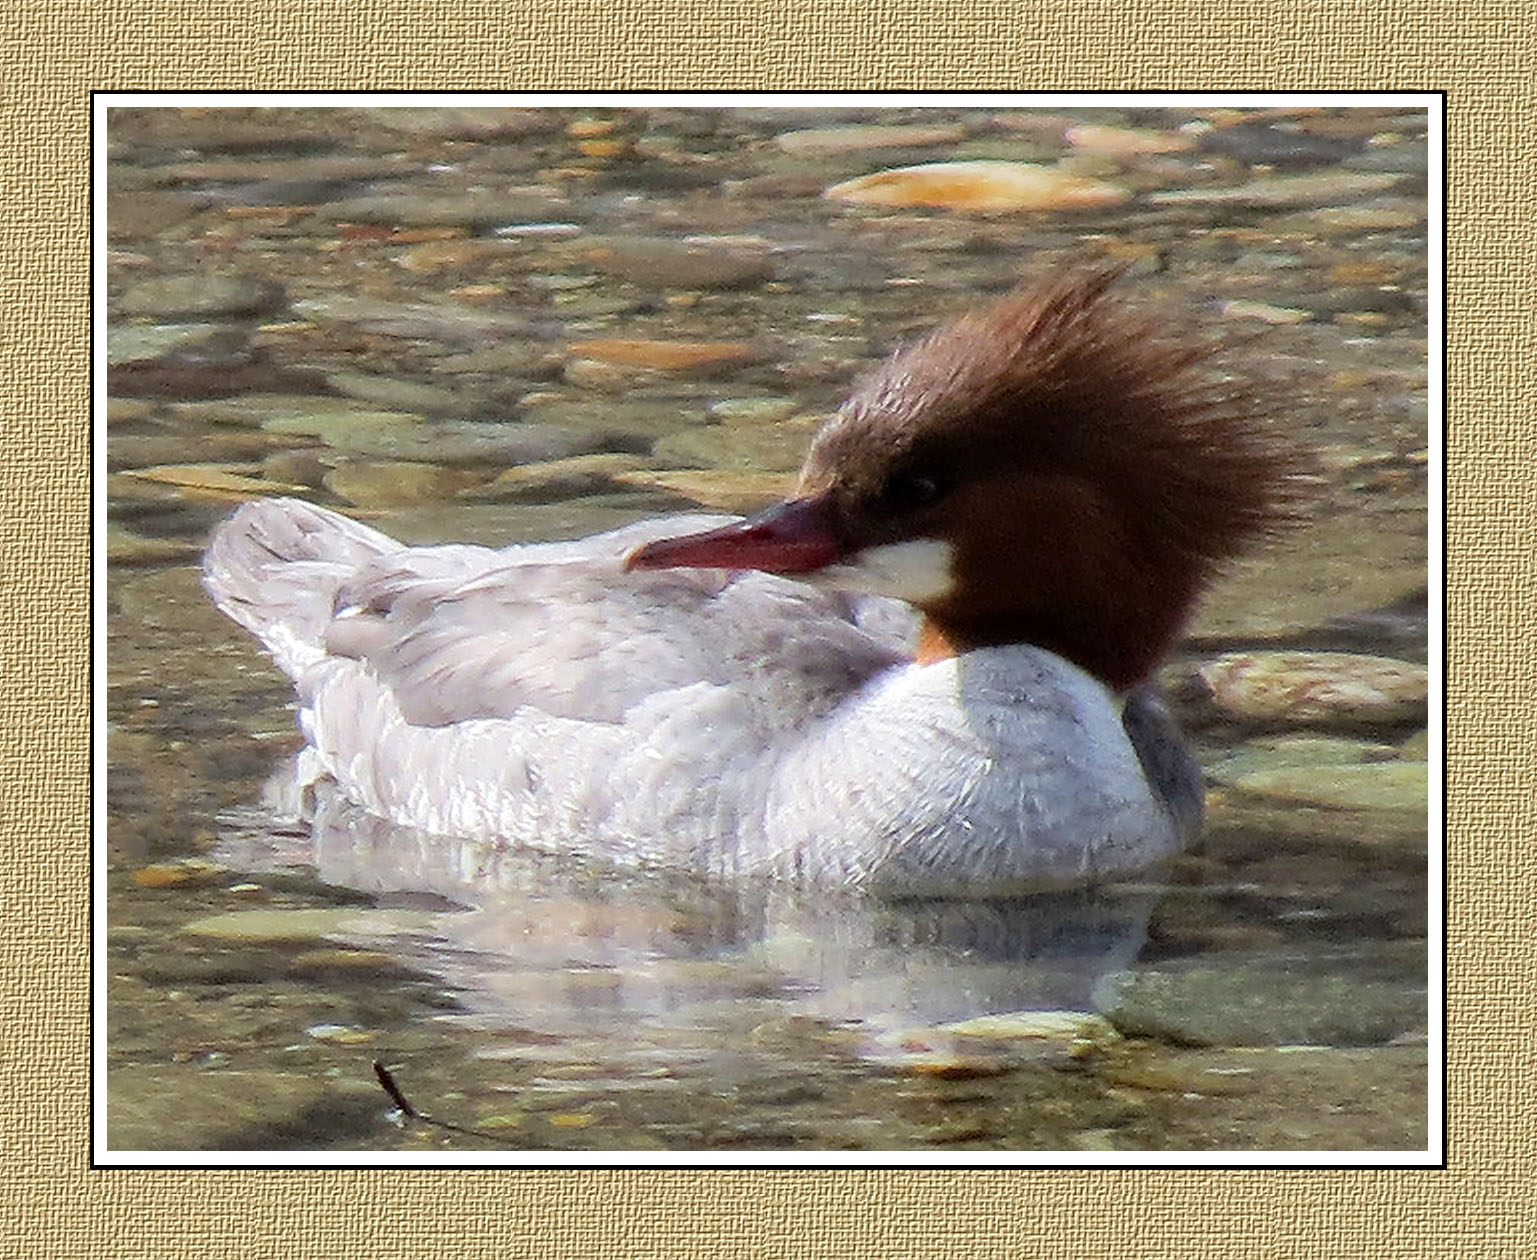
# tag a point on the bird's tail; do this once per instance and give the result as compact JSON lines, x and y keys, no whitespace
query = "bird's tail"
{"x":275,"y":567}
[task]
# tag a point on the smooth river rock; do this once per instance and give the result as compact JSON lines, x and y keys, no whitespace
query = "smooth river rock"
{"x":856,"y":138}
{"x":1271,"y":999}
{"x":1399,"y":785}
{"x":1283,"y":190}
{"x":1329,"y":689}
{"x":193,"y":295}
{"x":980,"y":186}
{"x":390,"y":483}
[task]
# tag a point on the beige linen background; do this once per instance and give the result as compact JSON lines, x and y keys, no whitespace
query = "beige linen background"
{"x":54,"y":53}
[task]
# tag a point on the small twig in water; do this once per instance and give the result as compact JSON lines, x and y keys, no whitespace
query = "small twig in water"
{"x":393,"y":1090}
{"x":403,"y":1105}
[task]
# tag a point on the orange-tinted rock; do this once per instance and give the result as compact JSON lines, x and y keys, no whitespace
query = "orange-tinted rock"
{"x":191,"y":872}
{"x":1125,"y":141}
{"x":606,"y":148}
{"x":663,"y":356}
{"x":587,"y":128}
{"x":979,"y":186}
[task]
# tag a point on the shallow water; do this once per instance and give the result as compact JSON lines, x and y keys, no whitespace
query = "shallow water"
{"x":419,"y":301}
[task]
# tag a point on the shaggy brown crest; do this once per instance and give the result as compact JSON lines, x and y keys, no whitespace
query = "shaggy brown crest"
{"x":1089,"y":470}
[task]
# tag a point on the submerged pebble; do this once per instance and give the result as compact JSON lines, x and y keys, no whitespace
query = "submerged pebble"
{"x":467,"y":209}
{"x":342,"y":1034}
{"x":201,"y":295}
{"x":1125,"y":141}
{"x":289,"y":926}
{"x":557,"y":478}
{"x":667,"y":263}
{"x":126,"y":547}
{"x":752,"y":410}
{"x":300,"y":468}
{"x":389,"y":483}
{"x":1400,"y":784}
{"x":167,"y":445}
{"x":466,"y":122}
{"x":431,"y":321}
{"x":355,"y":964}
{"x":641,"y":419}
{"x":1262,"y":1000}
{"x":691,"y":357}
{"x":1329,"y":689}
{"x":1377,"y":216}
{"x":766,"y":448}
{"x":1265,"y":312}
{"x":1051,"y":1026}
{"x":402,"y":436}
{"x":729,"y":489}
{"x":1261,"y":144}
{"x":1296,"y":752}
{"x":224,"y":481}
{"x":186,"y":873}
{"x":530,"y":360}
{"x":127,"y":411}
{"x":256,"y":409}
{"x":859,"y":137}
{"x":1281,"y":190}
{"x":134,"y":343}
{"x":395,"y":394}
{"x":347,"y":429}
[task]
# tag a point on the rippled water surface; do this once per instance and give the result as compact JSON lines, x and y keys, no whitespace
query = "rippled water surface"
{"x":499,"y":325}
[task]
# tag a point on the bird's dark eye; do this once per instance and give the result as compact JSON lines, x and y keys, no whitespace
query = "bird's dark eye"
{"x":908,"y":491}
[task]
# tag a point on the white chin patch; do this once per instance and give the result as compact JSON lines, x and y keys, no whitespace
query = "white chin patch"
{"x":917,"y":571}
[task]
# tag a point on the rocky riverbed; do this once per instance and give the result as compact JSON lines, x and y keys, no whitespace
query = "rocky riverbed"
{"x":495,"y":325}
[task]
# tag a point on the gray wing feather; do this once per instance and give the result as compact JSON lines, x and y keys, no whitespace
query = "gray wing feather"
{"x":459,"y":632}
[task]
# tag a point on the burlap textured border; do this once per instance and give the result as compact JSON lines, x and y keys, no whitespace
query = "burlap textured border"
{"x":55,"y":53}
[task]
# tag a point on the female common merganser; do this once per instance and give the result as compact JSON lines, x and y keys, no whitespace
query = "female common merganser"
{"x":1049,"y":483}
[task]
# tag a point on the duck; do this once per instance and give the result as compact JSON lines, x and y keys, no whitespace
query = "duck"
{"x":929,"y":672}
